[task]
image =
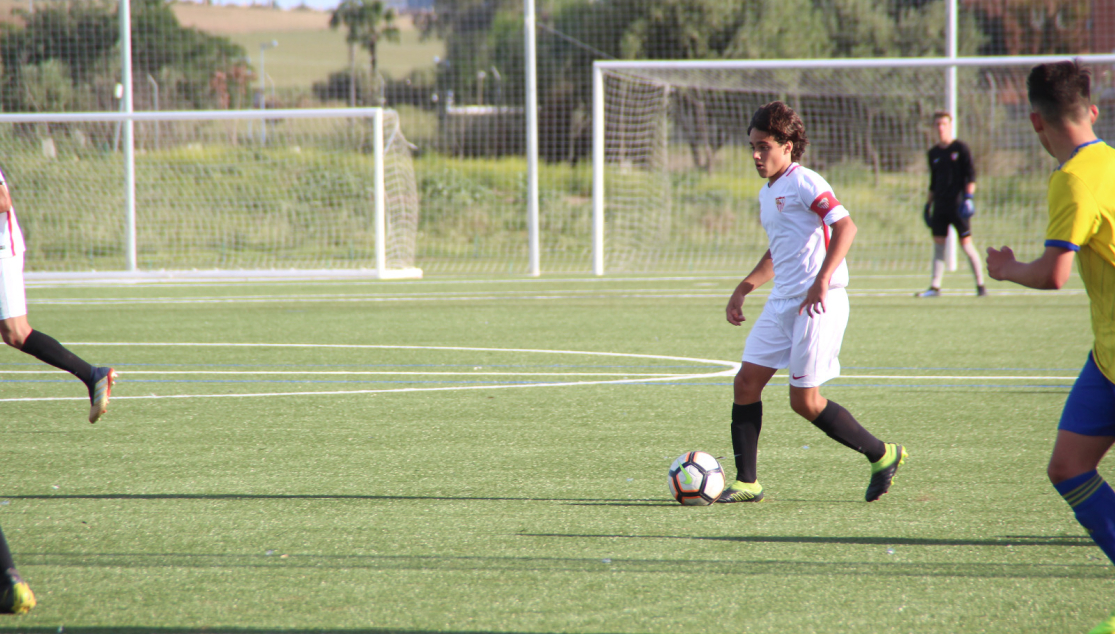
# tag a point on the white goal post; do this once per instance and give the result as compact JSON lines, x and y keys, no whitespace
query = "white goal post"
{"x":248,"y":193}
{"x":673,"y":184}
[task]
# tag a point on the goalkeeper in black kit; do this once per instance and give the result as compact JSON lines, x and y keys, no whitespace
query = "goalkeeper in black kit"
{"x":952,"y":186}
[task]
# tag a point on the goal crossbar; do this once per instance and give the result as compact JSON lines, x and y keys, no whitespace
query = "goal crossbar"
{"x":632,"y":67}
{"x":871,"y":62}
{"x":379,"y":186}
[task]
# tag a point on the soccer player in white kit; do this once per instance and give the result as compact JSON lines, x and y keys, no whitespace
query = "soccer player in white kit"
{"x":802,"y":325}
{"x":17,"y":332}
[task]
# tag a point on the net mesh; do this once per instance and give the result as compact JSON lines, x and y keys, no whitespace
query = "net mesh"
{"x":681,"y":191}
{"x":294,"y":193}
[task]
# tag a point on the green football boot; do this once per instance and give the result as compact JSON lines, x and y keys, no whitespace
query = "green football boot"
{"x":15,"y":595}
{"x":882,"y":472}
{"x":741,"y":492}
{"x":1107,"y":627}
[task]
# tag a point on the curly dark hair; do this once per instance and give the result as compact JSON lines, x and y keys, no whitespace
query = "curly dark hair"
{"x":780,"y":121}
{"x":1060,"y":91}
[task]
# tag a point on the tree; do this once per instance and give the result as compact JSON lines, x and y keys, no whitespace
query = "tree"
{"x":78,"y":40}
{"x":366,"y":21}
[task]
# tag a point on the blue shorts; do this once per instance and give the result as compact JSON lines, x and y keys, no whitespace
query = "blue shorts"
{"x":1090,"y":408}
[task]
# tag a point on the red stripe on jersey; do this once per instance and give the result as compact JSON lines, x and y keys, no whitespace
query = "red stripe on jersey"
{"x":821,"y":206}
{"x":11,"y":229}
{"x":824,"y":203}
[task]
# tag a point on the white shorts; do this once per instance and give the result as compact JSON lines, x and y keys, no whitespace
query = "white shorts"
{"x":808,"y":346}
{"x":13,"y":299}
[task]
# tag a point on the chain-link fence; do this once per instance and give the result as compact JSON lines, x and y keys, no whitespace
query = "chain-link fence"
{"x":454,"y":70}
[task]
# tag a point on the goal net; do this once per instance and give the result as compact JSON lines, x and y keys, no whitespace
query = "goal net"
{"x":241,"y":190}
{"x":680,"y":188}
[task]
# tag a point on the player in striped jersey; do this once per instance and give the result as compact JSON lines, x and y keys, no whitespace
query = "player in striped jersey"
{"x":17,"y":332}
{"x":1081,"y":223}
{"x":802,"y":325}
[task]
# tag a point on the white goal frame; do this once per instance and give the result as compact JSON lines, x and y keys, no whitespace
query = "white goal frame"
{"x":598,"y":113}
{"x":126,"y":119}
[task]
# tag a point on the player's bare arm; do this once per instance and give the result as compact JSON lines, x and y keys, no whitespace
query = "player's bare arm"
{"x":1050,"y":271}
{"x":761,"y":274}
{"x":5,"y":199}
{"x":843,"y":233}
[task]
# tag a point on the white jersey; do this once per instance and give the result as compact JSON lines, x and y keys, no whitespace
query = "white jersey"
{"x":796,"y":212}
{"x":11,"y":237}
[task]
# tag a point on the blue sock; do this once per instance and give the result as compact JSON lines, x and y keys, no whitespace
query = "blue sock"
{"x":1093,"y":501}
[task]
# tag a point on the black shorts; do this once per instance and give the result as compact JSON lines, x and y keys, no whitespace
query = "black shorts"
{"x":942,"y":218}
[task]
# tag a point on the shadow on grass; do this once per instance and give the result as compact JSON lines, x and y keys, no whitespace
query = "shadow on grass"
{"x":1004,"y":540}
{"x":298,"y":563}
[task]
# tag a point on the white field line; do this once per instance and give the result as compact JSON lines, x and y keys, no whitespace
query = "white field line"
{"x":33,"y":279}
{"x":732,"y":368}
{"x":954,"y":377}
{"x":487,"y":296}
{"x":372,"y":346}
{"x":305,"y":299}
{"x":918,"y":377}
{"x":679,"y":377}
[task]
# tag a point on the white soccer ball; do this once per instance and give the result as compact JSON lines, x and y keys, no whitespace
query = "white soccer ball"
{"x":696,"y":479}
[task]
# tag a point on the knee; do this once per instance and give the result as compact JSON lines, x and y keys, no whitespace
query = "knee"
{"x":14,"y":334}
{"x":807,"y":405}
{"x":1060,"y":470}
{"x":802,"y":409}
{"x":747,"y":390}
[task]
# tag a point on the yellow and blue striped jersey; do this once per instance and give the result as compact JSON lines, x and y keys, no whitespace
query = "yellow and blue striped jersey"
{"x":1082,"y":219}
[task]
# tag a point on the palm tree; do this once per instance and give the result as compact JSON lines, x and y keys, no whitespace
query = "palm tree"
{"x":367,"y":21}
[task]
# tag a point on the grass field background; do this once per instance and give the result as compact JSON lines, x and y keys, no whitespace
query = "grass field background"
{"x":245,"y":484}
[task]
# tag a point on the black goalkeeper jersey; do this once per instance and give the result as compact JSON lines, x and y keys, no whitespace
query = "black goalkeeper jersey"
{"x":950,"y":171}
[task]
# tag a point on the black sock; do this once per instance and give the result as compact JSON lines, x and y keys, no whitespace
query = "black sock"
{"x":842,"y":427}
{"x":46,"y":349}
{"x":747,"y":422}
{"x":6,"y":562}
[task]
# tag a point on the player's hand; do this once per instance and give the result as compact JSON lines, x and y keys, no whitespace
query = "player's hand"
{"x":735,"y":309}
{"x":814,"y":302}
{"x":968,"y":207}
{"x":998,"y":260}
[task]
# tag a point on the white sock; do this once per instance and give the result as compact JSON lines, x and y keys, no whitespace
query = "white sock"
{"x":938,"y":265}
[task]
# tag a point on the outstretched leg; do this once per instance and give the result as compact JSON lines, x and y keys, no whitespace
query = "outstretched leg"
{"x":17,"y":333}
{"x":839,"y":424}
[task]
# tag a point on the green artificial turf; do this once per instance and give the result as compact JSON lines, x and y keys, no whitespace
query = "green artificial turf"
{"x":217,"y":495}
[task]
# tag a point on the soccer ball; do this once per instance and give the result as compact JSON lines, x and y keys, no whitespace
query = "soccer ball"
{"x":696,"y":479}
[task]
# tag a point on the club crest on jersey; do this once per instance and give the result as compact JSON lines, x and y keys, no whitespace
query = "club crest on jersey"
{"x":780,"y":202}
{"x":824,"y":203}
{"x":955,"y":155}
